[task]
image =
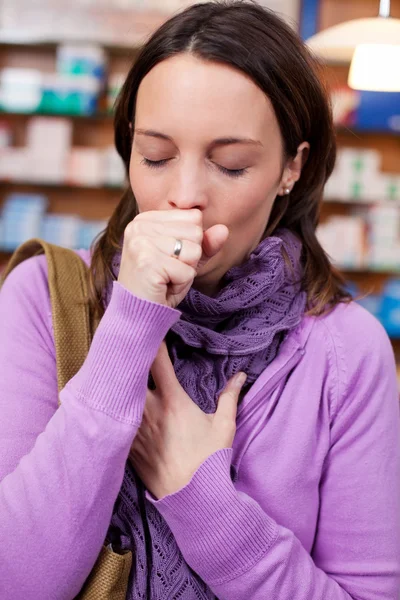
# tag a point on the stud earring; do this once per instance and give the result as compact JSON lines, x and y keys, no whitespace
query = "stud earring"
{"x":286,"y":191}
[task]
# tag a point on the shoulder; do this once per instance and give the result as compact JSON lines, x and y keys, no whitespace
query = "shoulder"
{"x":359,"y":349}
{"x":354,"y":332}
{"x":32,"y":274}
{"x":26,"y":288}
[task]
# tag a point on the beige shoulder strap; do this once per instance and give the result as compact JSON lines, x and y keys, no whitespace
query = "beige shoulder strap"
{"x":73,"y":330}
{"x":68,"y":286}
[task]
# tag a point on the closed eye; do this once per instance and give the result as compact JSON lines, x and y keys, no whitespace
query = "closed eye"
{"x":231,"y":172}
{"x":155,"y":164}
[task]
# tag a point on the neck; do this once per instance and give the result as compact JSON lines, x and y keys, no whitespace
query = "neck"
{"x":206,"y":286}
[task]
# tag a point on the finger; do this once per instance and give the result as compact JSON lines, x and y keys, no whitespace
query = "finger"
{"x":213,"y":241}
{"x":162,"y":369}
{"x":177,"y":272}
{"x":190,"y":253}
{"x":227,"y":402}
{"x":182,"y":231}
{"x":192,"y":215}
{"x":175,"y":229}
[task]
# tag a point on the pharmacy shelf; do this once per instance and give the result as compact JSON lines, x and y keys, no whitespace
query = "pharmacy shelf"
{"x":108,"y":116}
{"x":354,"y":132}
{"x":353,"y":202}
{"x":57,"y":186}
{"x":52,"y":45}
{"x":368,"y":271}
{"x":100,"y":116}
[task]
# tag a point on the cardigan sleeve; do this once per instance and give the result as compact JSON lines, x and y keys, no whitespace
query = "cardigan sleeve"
{"x":61,"y":468}
{"x":241,"y":552}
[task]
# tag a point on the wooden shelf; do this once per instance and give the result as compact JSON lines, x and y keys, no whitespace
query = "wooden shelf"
{"x":369,"y":271}
{"x":363,"y":203}
{"x":96,"y":117}
{"x":108,"y":116}
{"x":60,"y":186}
{"x":52,"y":45}
{"x":354,"y":132}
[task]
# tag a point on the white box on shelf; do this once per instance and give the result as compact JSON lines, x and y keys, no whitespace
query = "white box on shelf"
{"x":383,"y":224}
{"x":85,"y":167}
{"x":390,"y":187}
{"x":359,"y":161}
{"x":51,"y":135}
{"x":342,"y":237}
{"x":113,"y":168}
{"x":20,"y":89}
{"x":14,"y":164}
{"x":47,"y":168}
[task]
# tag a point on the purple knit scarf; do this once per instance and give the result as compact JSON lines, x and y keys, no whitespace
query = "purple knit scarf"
{"x":240,"y":329}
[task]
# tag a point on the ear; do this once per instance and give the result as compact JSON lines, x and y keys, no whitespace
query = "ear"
{"x":293,"y":168}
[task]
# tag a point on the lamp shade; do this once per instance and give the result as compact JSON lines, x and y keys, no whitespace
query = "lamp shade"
{"x":338,"y":43}
{"x":375,"y":67}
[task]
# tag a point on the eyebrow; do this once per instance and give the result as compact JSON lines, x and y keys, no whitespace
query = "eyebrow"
{"x":228,"y":141}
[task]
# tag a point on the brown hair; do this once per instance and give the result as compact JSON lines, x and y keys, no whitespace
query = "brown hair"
{"x":256,"y":41}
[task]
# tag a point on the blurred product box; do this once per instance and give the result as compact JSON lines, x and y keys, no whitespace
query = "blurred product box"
{"x":75,"y":59}
{"x":114,"y":86}
{"x":24,"y":216}
{"x":48,"y":146}
{"x":114,"y":173}
{"x":62,"y":230}
{"x":14,"y":164}
{"x":85,"y":167}
{"x":89,"y":231}
{"x":379,"y":111}
{"x":49,"y":135}
{"x":365,"y":110}
{"x":70,"y":94}
{"x":343,"y":239}
{"x":390,"y":307}
{"x":20,"y":90}
{"x":390,"y":187}
{"x":6,"y":136}
{"x":357,"y":178}
{"x":21,"y":219}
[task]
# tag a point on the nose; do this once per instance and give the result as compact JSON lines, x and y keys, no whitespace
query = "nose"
{"x":188,"y":189}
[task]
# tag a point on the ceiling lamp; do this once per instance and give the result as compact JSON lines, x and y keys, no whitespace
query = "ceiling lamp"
{"x":372,"y":45}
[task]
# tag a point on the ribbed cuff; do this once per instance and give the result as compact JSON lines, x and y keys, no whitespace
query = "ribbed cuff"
{"x":221,"y":532}
{"x":115,"y":373}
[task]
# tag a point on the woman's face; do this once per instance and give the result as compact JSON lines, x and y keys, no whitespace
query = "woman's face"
{"x":207,"y":137}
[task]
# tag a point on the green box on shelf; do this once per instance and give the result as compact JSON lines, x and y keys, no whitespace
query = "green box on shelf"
{"x":70,"y":95}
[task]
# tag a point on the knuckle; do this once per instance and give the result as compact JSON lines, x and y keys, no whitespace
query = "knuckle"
{"x":197,"y":252}
{"x":198,"y":234}
{"x":197,"y":216}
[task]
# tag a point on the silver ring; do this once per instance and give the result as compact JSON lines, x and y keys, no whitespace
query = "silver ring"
{"x":178,"y":248}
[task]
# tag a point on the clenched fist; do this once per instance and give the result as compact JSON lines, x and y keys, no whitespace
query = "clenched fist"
{"x":149,"y":268}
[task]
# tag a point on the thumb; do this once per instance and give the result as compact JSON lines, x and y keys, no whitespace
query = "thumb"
{"x":227,"y":402}
{"x":162,"y":369}
{"x":213,"y":240}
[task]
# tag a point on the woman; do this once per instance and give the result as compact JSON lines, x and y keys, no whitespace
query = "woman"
{"x":286,"y":487}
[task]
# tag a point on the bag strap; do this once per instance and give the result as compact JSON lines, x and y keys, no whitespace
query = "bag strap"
{"x":68,"y":286}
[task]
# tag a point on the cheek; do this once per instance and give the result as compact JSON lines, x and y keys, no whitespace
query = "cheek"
{"x":146,"y":189}
{"x":254,"y":201}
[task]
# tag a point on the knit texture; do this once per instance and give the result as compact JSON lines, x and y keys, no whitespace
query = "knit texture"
{"x":240,"y":329}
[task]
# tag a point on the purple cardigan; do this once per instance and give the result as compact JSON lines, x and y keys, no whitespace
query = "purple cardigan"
{"x":314,"y":510}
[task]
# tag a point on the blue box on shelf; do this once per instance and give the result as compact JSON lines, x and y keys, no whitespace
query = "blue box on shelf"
{"x":390,"y":307}
{"x":21,"y":219}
